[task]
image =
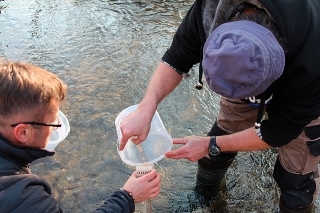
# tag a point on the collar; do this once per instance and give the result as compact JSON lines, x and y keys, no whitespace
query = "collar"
{"x":22,"y":155}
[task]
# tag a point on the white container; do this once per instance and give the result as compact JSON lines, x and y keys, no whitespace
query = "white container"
{"x":58,"y":134}
{"x":149,"y":151}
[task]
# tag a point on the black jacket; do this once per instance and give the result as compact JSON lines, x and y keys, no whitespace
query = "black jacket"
{"x":296,"y":94}
{"x":21,"y":191}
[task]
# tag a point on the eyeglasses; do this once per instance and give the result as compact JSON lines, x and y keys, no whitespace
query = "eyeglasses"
{"x":55,"y":126}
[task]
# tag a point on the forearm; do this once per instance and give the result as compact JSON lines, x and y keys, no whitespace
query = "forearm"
{"x":246,"y":140}
{"x":163,"y":82}
{"x":196,"y":147}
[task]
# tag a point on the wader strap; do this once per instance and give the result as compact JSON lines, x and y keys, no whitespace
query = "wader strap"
{"x":260,"y":110}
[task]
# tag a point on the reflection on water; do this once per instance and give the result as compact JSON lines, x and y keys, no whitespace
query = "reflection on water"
{"x":106,"y":52}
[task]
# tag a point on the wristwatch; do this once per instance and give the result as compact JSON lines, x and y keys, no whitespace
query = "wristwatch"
{"x":214,"y":149}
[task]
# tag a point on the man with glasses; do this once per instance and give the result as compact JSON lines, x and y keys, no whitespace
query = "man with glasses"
{"x":29,"y":113}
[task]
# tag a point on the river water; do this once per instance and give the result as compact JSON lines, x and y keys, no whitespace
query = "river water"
{"x":106,"y":51}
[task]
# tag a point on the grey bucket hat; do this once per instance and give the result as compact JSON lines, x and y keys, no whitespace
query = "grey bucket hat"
{"x":242,"y":59}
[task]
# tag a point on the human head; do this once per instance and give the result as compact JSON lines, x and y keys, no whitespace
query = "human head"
{"x":27,"y":93}
{"x":242,"y":59}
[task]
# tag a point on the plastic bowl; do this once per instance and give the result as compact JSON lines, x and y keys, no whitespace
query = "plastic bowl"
{"x":150,"y":151}
{"x":59,"y":134}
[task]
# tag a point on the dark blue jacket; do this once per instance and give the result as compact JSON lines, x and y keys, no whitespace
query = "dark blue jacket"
{"x":22,"y":191}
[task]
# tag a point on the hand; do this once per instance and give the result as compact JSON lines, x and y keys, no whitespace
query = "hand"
{"x":135,"y":127}
{"x":193,"y":149}
{"x":144,"y":187}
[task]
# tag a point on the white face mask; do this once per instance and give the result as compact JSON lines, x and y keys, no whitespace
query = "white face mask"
{"x":59,"y":134}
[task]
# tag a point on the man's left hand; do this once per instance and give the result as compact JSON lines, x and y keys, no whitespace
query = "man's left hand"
{"x":193,"y":149}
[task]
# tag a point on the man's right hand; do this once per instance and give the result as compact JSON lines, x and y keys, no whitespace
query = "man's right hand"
{"x":144,"y":187}
{"x":135,"y":127}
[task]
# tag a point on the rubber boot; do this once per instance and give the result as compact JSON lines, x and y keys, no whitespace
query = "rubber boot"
{"x":285,"y":209}
{"x":210,"y":174}
{"x":209,"y":177}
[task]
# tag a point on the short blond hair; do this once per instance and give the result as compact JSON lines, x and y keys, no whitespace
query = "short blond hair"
{"x":25,"y":86}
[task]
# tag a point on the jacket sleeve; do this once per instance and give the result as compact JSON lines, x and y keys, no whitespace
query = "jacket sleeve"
{"x":295,"y":103}
{"x":118,"y":202}
{"x":185,"y":48}
{"x":28,"y":193}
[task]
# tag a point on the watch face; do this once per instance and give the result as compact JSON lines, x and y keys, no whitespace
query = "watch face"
{"x":214,"y":150}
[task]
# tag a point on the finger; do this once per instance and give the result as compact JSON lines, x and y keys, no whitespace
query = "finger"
{"x":149,"y":176}
{"x":133,"y":176}
{"x":179,"y":151}
{"x":190,"y":136}
{"x":156,"y":180}
{"x":153,"y":195}
{"x":136,"y":140}
{"x":176,"y":154}
{"x":123,"y":142}
{"x":155,"y":192}
{"x":176,"y":157}
{"x":180,"y":141}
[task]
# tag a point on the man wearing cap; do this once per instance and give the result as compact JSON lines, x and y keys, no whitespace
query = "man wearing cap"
{"x":258,"y":55}
{"x":29,"y":113}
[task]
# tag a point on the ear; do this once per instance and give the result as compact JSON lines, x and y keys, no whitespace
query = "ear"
{"x":23,"y":132}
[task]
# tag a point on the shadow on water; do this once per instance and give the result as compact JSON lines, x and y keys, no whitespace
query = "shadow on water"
{"x":106,"y":52}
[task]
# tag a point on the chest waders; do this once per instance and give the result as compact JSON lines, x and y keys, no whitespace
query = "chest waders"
{"x":286,"y":209}
{"x":295,"y":190}
{"x":212,"y":171}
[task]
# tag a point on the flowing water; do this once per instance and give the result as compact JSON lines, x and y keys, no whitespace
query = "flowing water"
{"x":106,"y":52}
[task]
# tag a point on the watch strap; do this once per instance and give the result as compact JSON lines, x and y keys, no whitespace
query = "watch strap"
{"x":213,"y":144}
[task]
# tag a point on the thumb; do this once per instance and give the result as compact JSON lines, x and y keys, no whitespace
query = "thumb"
{"x":133,"y":175}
